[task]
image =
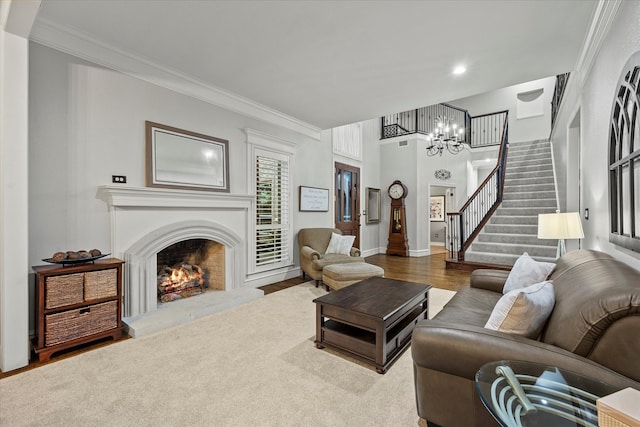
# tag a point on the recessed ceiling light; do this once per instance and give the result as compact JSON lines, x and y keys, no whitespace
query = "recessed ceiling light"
{"x":459,"y":70}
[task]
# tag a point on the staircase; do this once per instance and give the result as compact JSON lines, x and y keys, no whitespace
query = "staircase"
{"x":529,"y":190}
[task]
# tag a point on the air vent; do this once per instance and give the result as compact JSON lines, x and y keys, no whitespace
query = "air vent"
{"x":402,"y":143}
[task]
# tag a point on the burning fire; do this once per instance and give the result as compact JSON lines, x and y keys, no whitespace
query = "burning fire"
{"x":180,"y":281}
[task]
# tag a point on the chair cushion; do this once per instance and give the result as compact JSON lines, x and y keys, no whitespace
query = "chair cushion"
{"x":352,"y":271}
{"x":340,"y":244}
{"x":523,"y":311}
{"x":526,"y":271}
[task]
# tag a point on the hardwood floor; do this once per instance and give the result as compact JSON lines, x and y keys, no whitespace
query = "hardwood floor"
{"x":428,"y":270}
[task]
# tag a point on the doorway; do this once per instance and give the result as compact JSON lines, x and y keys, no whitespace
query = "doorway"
{"x":438,"y":225}
{"x":347,"y":206}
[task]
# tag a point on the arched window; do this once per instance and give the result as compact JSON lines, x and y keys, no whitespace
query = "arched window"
{"x":624,"y":159}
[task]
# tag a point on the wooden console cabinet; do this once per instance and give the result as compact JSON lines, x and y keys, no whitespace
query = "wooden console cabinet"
{"x":77,"y":304}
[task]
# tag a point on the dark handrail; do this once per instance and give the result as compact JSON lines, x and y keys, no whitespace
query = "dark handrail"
{"x":470,"y":219}
{"x":490,"y":114}
{"x":558,"y":94}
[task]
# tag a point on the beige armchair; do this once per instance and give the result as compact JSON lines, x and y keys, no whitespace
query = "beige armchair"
{"x":313,"y":245}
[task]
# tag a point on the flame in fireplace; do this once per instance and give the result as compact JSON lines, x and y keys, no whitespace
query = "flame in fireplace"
{"x":179,"y":282}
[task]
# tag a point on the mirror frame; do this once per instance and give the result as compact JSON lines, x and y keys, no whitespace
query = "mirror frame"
{"x":373,"y":205}
{"x":214,"y":175}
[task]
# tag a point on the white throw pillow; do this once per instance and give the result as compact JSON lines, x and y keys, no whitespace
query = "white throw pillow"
{"x":523,"y":311}
{"x":526,"y":271}
{"x":340,"y":244}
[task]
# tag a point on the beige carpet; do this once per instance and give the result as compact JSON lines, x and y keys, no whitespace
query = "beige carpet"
{"x":252,"y":365}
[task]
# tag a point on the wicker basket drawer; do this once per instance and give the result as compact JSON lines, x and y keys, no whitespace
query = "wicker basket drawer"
{"x":100,"y":284}
{"x":64,"y":290}
{"x":72,"y":324}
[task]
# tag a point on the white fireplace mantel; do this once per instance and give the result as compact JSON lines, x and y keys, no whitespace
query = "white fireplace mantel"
{"x":146,"y":220}
{"x":118,"y":196}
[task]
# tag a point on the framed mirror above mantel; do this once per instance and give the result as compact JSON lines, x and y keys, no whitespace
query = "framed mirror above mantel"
{"x":177,"y":158}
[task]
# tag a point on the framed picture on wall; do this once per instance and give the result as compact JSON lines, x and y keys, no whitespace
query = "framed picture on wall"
{"x":314,"y":199}
{"x":436,"y":208}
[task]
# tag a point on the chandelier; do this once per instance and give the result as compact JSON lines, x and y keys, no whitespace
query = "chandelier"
{"x":446,"y":134}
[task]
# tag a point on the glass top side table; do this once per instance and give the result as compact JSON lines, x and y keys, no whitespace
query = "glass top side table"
{"x":527,"y":394}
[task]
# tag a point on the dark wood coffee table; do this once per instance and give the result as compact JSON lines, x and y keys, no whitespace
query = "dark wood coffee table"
{"x":371,"y":320}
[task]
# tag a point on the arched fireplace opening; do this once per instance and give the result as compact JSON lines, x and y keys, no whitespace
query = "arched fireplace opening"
{"x":189,"y":267}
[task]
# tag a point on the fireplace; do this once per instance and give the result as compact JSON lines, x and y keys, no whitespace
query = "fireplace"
{"x":145,"y":221}
{"x":189,"y":268}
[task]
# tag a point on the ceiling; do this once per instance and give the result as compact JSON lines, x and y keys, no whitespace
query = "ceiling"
{"x":328,"y":63}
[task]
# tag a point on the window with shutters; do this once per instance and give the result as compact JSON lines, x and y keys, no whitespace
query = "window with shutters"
{"x":272,"y":210}
{"x":270,"y":162}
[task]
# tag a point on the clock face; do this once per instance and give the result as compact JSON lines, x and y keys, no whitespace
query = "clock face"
{"x":396,"y":191}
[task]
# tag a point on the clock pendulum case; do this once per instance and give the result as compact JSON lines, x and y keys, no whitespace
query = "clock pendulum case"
{"x":398,"y":244}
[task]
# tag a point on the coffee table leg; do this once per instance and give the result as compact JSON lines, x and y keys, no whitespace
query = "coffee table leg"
{"x":319,"y":325}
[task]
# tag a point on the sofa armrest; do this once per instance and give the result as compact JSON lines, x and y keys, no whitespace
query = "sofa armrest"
{"x":461,"y":350}
{"x":354,"y":252}
{"x":491,"y":280}
{"x":310,"y":253}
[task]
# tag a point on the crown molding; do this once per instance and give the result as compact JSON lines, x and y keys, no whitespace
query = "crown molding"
{"x":82,"y":46}
{"x":604,"y":14}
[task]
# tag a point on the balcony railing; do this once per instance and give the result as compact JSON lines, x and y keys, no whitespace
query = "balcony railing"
{"x":480,"y":131}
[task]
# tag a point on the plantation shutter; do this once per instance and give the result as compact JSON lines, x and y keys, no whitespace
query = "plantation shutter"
{"x":272,"y":210}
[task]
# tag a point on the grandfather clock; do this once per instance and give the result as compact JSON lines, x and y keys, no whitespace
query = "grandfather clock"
{"x":397,"y":223}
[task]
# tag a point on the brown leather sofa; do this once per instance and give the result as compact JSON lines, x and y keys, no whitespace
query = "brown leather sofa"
{"x":313,"y":245}
{"x":594,"y":330}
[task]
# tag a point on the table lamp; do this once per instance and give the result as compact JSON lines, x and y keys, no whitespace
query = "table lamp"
{"x":560,"y":226}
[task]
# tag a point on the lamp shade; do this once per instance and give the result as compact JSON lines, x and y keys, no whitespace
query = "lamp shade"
{"x":565,"y":225}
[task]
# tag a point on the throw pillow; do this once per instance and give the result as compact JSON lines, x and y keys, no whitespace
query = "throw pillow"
{"x":526,"y":271}
{"x":340,"y":244}
{"x":523,"y":311}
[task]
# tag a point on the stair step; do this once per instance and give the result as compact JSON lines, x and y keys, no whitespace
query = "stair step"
{"x":513,"y":219}
{"x":502,"y":259}
{"x":513,"y":182}
{"x":528,"y":168}
{"x":527,"y":162}
{"x":529,"y":195}
{"x":529,"y":144}
{"x":531,"y":203}
{"x":524,"y":211}
{"x":502,"y":248}
{"x":529,"y":154}
{"x":536,"y":151}
{"x":530,"y":175}
{"x":516,"y":239}
{"x":511,"y":229}
{"x":529,"y":188}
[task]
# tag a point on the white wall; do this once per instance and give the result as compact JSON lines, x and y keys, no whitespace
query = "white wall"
{"x":86,"y":123}
{"x":370,"y":241}
{"x":411,"y":165}
{"x":14,"y":268}
{"x":591,"y":92}
{"x":526,"y":129}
